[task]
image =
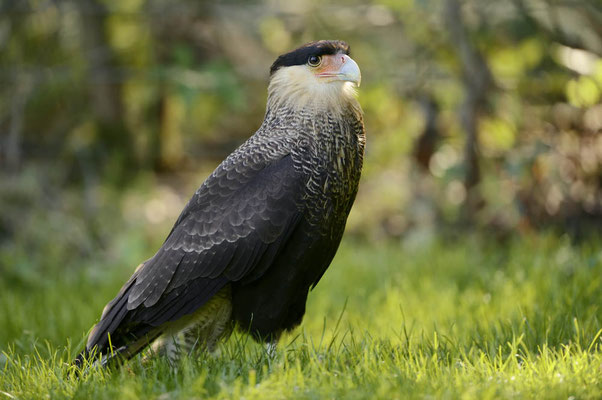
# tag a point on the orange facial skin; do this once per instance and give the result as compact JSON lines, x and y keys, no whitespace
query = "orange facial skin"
{"x":330,"y":65}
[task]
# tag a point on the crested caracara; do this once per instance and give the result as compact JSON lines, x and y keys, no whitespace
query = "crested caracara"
{"x":263,"y":227}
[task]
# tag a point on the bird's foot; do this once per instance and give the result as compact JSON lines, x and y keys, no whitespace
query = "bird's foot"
{"x":270,"y":349}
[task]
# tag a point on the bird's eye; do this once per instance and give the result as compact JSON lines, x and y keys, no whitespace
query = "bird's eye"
{"x":314,"y":61}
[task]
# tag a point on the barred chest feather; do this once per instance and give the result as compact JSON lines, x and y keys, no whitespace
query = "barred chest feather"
{"x":328,"y":147}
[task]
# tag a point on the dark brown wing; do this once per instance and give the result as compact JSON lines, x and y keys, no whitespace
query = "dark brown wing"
{"x":232,"y":228}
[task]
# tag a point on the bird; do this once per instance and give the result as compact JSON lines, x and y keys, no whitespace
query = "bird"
{"x":260,"y":231}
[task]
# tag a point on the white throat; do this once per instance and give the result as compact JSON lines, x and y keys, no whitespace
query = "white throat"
{"x":297,"y":87}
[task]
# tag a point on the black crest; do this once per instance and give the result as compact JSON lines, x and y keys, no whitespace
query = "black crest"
{"x":300,"y":55}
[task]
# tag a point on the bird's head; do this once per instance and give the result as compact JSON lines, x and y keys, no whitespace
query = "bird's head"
{"x":317,"y":74}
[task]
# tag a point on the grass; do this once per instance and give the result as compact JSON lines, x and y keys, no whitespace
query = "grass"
{"x":465,"y":319}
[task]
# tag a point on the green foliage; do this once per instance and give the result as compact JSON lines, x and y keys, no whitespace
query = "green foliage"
{"x":471,"y":318}
{"x":105,"y":91}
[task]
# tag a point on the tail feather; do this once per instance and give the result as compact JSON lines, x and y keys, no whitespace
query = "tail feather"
{"x":92,"y":358}
{"x":99,"y":340}
{"x":122,"y":332}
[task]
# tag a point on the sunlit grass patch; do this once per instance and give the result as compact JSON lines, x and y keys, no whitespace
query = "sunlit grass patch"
{"x":469,"y":319}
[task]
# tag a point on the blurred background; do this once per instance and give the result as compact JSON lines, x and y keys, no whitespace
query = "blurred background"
{"x":481,"y":116}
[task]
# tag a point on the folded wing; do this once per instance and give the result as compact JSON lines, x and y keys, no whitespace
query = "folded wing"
{"x":232,"y":228}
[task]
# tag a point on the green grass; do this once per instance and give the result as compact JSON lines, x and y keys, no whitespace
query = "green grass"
{"x":468,"y":319}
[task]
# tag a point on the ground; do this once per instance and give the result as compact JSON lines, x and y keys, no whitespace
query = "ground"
{"x":468,"y":318}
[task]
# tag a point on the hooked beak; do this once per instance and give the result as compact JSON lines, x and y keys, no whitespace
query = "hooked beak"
{"x":341,"y":67}
{"x":350,"y":71}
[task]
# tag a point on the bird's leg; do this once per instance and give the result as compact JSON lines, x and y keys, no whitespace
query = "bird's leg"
{"x":169,"y":345}
{"x":270,"y":348}
{"x":221,"y":331}
{"x":201,"y":331}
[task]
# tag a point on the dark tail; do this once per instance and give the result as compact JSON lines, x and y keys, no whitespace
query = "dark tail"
{"x":105,"y":342}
